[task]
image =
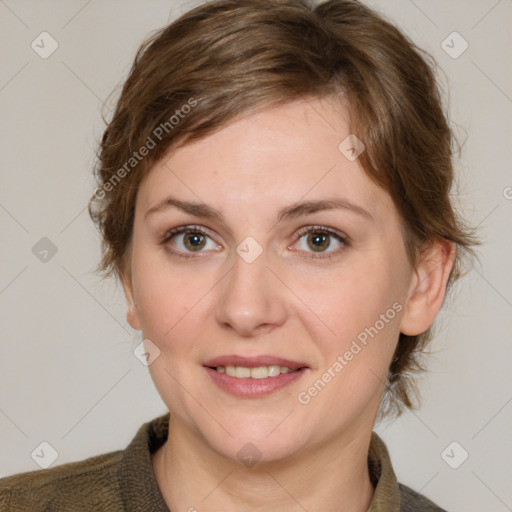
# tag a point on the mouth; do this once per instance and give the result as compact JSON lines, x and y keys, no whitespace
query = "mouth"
{"x":253,"y":377}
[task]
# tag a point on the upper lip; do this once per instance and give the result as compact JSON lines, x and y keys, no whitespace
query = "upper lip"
{"x":253,"y":362}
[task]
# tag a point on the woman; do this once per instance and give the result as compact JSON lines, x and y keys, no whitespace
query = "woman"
{"x":274,"y":198}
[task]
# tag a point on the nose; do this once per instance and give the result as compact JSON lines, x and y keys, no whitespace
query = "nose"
{"x":251,"y":299}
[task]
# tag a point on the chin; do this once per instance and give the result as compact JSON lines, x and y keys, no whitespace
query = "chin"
{"x":251,"y":452}
{"x":257,"y":440}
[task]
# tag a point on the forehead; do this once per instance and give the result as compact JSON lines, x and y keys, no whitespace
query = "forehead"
{"x":266,"y":159}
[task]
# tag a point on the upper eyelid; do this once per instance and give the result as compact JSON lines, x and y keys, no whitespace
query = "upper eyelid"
{"x":320,"y":228}
{"x":179,"y":230}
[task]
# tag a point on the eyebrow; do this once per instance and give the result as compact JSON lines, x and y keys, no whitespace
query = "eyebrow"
{"x":290,"y":212}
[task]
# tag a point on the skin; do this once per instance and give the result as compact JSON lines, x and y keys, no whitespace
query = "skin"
{"x":286,"y":303}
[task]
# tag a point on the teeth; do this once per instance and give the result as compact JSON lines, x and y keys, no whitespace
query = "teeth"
{"x":260,"y":372}
{"x":242,"y":373}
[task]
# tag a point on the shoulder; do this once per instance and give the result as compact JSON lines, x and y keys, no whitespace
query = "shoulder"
{"x":412,"y":501}
{"x":90,"y":484}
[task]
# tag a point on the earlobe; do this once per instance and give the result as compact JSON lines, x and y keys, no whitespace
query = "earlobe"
{"x":132,"y":313}
{"x":428,"y":287}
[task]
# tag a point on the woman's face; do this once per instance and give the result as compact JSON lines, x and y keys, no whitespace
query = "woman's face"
{"x":285,"y":255}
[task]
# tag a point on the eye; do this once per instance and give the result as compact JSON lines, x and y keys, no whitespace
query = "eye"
{"x":189,"y":239}
{"x":321,"y":240}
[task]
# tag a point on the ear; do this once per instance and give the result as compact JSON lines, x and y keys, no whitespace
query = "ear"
{"x":132,"y":313}
{"x":428,"y":287}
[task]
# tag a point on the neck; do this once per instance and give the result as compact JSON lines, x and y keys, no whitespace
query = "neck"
{"x":192,"y":477}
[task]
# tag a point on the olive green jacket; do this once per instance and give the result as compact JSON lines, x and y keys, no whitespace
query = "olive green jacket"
{"x":123,"y":481}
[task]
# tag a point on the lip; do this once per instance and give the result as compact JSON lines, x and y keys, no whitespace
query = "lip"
{"x":254,"y":388}
{"x":253,"y":362}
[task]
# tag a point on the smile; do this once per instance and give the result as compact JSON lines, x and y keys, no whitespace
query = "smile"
{"x":253,"y":377}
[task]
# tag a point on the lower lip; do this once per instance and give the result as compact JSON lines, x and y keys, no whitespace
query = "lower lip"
{"x":254,"y":388}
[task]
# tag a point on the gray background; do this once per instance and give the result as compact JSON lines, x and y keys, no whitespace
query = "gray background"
{"x":67,"y":372}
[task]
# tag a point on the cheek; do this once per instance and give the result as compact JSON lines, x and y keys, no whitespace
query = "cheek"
{"x":354,"y":297}
{"x":355,"y":359}
{"x":174,"y":303}
{"x":362,"y":306}
{"x":162,"y":295}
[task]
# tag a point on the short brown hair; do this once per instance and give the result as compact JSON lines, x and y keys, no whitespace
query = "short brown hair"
{"x":227,"y":58}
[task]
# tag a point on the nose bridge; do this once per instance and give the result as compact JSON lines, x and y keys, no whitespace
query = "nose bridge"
{"x":250,"y":296}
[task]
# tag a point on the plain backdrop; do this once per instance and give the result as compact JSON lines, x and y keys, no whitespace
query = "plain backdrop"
{"x":68,"y":375}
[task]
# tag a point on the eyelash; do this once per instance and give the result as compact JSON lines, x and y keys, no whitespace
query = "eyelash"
{"x":342,"y":238}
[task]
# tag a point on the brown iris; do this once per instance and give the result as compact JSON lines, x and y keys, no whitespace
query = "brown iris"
{"x":194,"y":241}
{"x":318,"y":241}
